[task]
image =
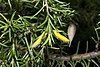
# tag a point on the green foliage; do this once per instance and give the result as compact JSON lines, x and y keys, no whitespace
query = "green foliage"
{"x":21,"y":24}
{"x":18,"y":33}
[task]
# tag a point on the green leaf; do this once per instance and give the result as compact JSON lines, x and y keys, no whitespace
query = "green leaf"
{"x":4,"y":34}
{"x":12,"y":17}
{"x":10,"y":34}
{"x":95,"y":62}
{"x":10,"y":4}
{"x":3,"y":45}
{"x":46,"y":41}
{"x":4,"y":17}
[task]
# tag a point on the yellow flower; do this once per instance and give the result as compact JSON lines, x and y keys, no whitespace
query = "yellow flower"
{"x":38,"y":41}
{"x":61,"y":37}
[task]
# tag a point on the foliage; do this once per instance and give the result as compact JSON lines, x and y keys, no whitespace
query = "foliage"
{"x":27,"y":35}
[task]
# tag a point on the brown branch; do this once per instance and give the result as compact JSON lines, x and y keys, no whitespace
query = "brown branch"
{"x":75,"y":56}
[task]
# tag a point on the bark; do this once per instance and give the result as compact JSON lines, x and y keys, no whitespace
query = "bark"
{"x":75,"y":56}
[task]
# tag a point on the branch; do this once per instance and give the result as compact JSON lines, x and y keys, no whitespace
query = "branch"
{"x":75,"y":56}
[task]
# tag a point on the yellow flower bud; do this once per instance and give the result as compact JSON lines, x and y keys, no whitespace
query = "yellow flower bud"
{"x":38,"y":41}
{"x":61,"y":37}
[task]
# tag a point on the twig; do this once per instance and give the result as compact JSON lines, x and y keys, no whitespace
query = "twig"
{"x":75,"y":56}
